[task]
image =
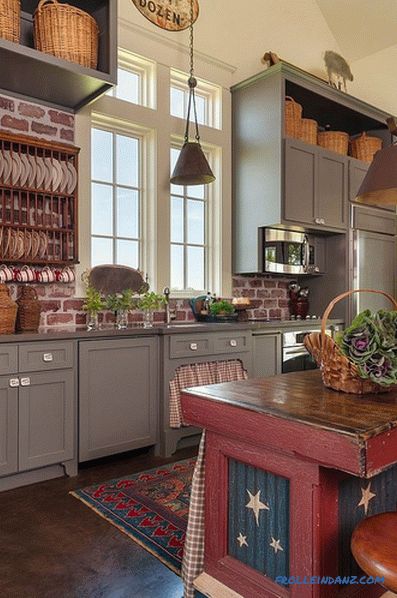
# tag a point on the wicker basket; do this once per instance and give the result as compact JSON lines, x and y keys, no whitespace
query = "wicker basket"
{"x":8,"y":311}
{"x":364,"y":147}
{"x":66,"y":32}
{"x":293,"y":117}
{"x":338,"y":372}
{"x":10,"y":20}
{"x":29,"y":310}
{"x":336,"y":141}
{"x":308,"y":130}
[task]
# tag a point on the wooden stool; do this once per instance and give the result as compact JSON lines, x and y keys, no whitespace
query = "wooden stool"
{"x":374,"y":546}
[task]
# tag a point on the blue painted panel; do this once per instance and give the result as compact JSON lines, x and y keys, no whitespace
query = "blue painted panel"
{"x":384,"y":486}
{"x":273,"y":522}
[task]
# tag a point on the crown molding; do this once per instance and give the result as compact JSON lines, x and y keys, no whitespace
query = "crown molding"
{"x":174,"y":45}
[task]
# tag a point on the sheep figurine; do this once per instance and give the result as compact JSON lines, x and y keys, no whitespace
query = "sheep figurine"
{"x":337,"y":69}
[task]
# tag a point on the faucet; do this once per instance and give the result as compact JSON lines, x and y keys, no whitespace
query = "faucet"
{"x":170,"y":314}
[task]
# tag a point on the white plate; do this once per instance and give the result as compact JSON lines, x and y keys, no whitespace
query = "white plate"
{"x":25,"y":170}
{"x":7,"y":167}
{"x":66,"y":176}
{"x":48,"y":174}
{"x":57,"y":175}
{"x":16,"y":169}
{"x":31,"y":182}
{"x":73,"y":180}
{"x":2,"y":166}
{"x":40,"y":172}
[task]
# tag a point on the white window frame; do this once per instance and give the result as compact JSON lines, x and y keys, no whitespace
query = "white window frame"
{"x":211,"y":92}
{"x":146,"y":70}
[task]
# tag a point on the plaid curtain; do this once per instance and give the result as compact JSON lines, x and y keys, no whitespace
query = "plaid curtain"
{"x":187,"y":376}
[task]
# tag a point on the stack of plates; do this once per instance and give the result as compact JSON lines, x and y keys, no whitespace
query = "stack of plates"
{"x":17,"y":245}
{"x":35,"y":172}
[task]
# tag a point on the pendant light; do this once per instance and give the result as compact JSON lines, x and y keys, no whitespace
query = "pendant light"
{"x":192,"y":167}
{"x":379,"y":187}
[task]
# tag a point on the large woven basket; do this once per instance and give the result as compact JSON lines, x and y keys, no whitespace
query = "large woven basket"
{"x":338,"y":372}
{"x":66,"y":32}
{"x":10,"y":20}
{"x":8,"y":311}
{"x":336,"y":141}
{"x":292,"y":117}
{"x":365,"y":147}
{"x":308,"y":131}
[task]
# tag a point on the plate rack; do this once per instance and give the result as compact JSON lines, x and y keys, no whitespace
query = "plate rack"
{"x":38,"y":201}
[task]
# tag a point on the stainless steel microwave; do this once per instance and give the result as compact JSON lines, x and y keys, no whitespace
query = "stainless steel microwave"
{"x":289,"y":252}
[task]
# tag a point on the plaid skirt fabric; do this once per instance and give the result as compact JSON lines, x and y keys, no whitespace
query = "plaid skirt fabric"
{"x":200,"y":374}
{"x":187,"y":376}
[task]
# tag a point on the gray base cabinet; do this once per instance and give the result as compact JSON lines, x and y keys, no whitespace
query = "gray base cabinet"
{"x":266,"y":355}
{"x":8,"y":427}
{"x":118,"y":396}
{"x":46,"y":416}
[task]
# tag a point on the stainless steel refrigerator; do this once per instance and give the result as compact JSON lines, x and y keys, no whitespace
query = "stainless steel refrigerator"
{"x":373,"y":257}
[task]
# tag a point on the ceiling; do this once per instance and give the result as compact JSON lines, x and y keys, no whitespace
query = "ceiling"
{"x":361,"y":27}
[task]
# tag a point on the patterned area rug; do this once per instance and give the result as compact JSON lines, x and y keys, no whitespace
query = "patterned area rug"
{"x":150,"y":507}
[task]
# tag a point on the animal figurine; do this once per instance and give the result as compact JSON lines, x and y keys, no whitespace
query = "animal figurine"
{"x":337,"y":69}
{"x":270,"y":58}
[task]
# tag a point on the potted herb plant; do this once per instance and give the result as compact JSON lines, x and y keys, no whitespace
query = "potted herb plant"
{"x":93,"y":305}
{"x":150,"y":302}
{"x":222,"y":309}
{"x":121,"y":304}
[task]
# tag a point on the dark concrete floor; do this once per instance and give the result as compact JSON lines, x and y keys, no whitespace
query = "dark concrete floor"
{"x":53,"y":546}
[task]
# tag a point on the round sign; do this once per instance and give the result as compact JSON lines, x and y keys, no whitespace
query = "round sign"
{"x":173,"y":15}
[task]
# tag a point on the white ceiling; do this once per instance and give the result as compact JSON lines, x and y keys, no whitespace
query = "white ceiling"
{"x":361,"y":27}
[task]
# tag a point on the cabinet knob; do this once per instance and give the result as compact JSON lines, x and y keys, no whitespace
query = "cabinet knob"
{"x":317,"y":220}
{"x":193,"y":346}
{"x":48,"y":357}
{"x":233,"y":343}
{"x":25,"y":381}
{"x":322,"y":221}
{"x":14,"y":382}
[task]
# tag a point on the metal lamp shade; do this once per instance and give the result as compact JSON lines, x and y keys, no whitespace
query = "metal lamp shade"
{"x":379,"y":187}
{"x":192,"y":167}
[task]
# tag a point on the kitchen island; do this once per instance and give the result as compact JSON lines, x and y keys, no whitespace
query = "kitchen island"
{"x":290,"y":468}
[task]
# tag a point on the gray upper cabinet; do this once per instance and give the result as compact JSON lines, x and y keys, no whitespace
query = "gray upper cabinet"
{"x":118,"y":396}
{"x":61,"y":83}
{"x":8,"y":427}
{"x":357,"y":172}
{"x":46,"y":419}
{"x":315,"y":187}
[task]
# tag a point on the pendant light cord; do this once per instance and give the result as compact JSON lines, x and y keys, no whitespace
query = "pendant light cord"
{"x":192,"y":82}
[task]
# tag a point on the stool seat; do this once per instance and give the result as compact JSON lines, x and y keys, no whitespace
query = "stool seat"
{"x":374,"y":546}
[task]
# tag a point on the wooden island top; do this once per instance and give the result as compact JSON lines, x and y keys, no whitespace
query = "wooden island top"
{"x":304,"y":407}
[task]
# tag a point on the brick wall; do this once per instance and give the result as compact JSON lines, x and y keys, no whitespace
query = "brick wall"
{"x":268,"y":294}
{"x":25,"y":118}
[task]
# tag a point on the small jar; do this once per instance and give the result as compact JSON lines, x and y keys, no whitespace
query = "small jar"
{"x":122,"y":319}
{"x":148,"y":319}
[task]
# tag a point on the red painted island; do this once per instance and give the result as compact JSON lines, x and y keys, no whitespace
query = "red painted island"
{"x":291,"y":467}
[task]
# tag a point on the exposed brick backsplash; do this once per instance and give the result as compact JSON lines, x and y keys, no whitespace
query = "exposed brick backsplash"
{"x":17,"y":116}
{"x":268,"y":295}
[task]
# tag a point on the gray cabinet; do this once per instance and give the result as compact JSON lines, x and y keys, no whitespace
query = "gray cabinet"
{"x":8,"y":427}
{"x":118,"y":396}
{"x":46,"y":416}
{"x":266,"y":350}
{"x":315,"y":187}
{"x":357,"y":172}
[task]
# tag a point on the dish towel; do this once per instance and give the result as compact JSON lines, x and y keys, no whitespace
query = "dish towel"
{"x":200,"y":374}
{"x":186,"y":377}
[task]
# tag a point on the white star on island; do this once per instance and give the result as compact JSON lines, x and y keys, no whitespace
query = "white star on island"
{"x":256,"y":505}
{"x":242,"y":540}
{"x":275,"y":544}
{"x":367,"y":496}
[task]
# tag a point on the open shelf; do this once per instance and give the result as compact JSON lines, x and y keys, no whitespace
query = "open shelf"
{"x":57,"y":82}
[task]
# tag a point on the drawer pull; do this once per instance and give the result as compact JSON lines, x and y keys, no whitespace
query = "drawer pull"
{"x":233,"y":343}
{"x":25,"y":381}
{"x":193,"y":346}
{"x":47,"y":357}
{"x":14,"y":382}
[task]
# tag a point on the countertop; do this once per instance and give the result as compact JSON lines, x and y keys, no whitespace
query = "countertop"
{"x":301,"y":397}
{"x":80,"y":332}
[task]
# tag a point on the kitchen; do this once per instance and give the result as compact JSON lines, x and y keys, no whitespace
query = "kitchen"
{"x":97,"y":393}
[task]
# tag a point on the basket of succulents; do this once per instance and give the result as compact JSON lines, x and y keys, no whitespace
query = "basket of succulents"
{"x":223,"y":310}
{"x":363,"y":358}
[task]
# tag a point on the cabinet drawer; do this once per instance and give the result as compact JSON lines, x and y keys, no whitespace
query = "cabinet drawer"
{"x":8,"y":359}
{"x":37,"y":357}
{"x":374,"y":220}
{"x":238,"y":342}
{"x":189,"y":346}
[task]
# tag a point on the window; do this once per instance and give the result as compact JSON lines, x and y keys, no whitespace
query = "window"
{"x":189,"y":208}
{"x":208,"y":99}
{"x":115,"y":198}
{"x":135,"y":80}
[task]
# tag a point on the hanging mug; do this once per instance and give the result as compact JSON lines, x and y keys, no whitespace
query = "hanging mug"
{"x":45,"y":275}
{"x":25,"y":274}
{"x":68,"y":275}
{"x":6,"y":273}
